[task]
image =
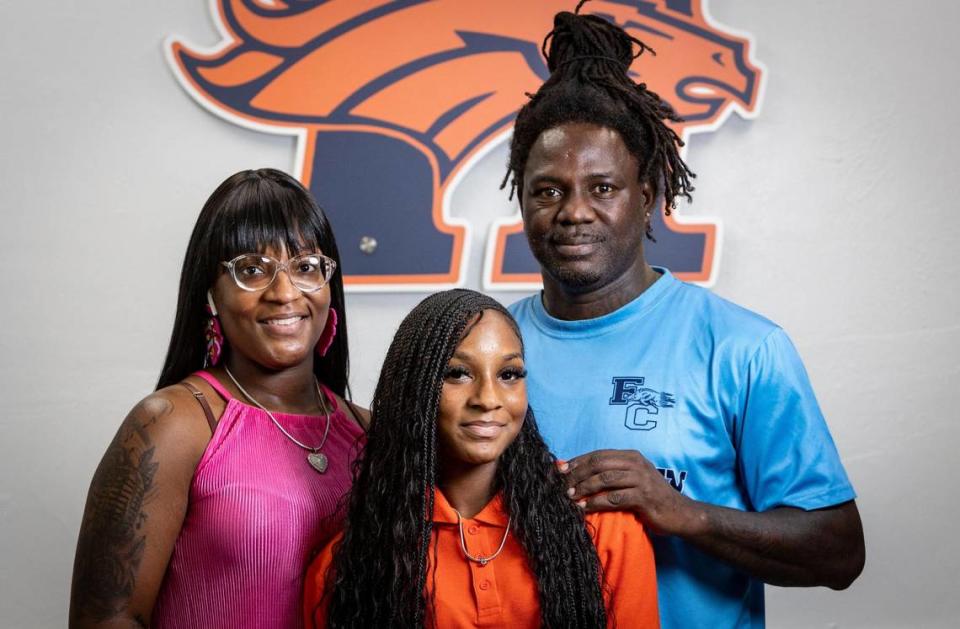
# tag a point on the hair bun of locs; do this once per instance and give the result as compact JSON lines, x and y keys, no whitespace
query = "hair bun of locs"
{"x":589,"y":59}
{"x":576,"y":38}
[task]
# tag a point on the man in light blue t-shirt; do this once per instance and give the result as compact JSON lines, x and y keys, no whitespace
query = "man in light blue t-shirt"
{"x":692,"y":412}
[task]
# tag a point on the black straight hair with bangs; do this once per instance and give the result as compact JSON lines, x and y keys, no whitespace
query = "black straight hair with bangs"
{"x":250,"y":212}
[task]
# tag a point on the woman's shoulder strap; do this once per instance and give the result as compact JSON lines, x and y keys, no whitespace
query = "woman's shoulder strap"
{"x":208,"y":413}
{"x":210,"y":379}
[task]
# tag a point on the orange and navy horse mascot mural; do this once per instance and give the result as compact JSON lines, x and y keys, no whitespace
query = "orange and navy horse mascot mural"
{"x":392,"y":101}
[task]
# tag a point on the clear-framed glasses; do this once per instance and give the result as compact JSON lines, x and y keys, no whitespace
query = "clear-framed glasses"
{"x":254,"y":271}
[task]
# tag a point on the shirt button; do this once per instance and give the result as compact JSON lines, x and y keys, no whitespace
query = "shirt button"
{"x":484,"y":585}
{"x":473,"y":529}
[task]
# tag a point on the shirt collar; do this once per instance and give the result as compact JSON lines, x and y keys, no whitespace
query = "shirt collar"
{"x":493,"y":514}
{"x":625,"y":315}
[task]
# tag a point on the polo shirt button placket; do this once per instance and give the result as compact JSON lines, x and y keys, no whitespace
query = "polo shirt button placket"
{"x":484,"y":575}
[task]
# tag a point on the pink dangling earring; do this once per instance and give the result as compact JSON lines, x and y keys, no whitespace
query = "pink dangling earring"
{"x":213,"y":335}
{"x":329,"y":333}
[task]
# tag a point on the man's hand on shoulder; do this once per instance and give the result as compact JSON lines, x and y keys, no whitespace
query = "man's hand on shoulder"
{"x":782,"y":546}
{"x":623,"y":480}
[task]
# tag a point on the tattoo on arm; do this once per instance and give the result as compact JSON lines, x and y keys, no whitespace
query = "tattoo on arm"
{"x":112,"y":537}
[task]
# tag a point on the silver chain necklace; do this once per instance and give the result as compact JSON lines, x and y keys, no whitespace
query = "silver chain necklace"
{"x":463,"y":543}
{"x":316,"y":459}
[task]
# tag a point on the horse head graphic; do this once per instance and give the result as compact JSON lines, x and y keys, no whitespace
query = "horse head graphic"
{"x":392,"y":101}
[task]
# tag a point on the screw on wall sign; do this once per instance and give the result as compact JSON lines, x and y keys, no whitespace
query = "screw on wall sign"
{"x":368,"y":244}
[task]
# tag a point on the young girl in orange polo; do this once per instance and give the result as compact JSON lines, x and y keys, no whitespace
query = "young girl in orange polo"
{"x":458,"y":516}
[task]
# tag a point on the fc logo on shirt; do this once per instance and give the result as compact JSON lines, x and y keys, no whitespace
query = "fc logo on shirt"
{"x":641,"y":402}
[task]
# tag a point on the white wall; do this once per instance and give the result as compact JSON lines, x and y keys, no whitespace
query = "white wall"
{"x":840,"y":224}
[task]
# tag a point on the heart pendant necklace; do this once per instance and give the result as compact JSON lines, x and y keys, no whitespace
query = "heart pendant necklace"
{"x":316,"y":459}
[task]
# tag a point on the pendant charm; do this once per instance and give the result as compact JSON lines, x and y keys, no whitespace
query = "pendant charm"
{"x":318,"y":461}
{"x":483,"y":561}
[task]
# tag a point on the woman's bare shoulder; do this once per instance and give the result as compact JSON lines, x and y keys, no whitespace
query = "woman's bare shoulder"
{"x":358,"y":414}
{"x":170,"y":419}
{"x":135,"y":507}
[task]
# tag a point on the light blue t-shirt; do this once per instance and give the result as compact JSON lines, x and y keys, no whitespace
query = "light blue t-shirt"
{"x":713,"y":395}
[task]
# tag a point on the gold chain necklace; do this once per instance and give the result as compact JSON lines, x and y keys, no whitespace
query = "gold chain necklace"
{"x":463,"y":543}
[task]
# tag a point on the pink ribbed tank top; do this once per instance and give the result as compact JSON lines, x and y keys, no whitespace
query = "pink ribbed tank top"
{"x":257,"y":511}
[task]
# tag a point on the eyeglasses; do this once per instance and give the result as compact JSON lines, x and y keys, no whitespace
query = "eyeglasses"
{"x":309,"y":272}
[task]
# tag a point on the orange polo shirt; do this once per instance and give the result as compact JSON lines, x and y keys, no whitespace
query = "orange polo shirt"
{"x":503,"y":593}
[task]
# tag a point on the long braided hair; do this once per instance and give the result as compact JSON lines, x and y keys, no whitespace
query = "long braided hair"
{"x":378,"y":576}
{"x":589,"y":60}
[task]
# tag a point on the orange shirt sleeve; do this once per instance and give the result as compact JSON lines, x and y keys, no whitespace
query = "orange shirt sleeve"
{"x":315,"y":615}
{"x":630,"y":574}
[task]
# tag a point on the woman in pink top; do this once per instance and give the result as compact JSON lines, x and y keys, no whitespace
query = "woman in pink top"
{"x":217,"y":486}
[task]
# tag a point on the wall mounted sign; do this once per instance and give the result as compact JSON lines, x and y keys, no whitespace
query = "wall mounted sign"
{"x":392,"y":102}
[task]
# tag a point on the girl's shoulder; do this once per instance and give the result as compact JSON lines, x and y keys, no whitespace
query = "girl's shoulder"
{"x":614,"y":531}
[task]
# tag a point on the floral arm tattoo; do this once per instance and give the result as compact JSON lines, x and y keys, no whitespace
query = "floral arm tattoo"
{"x":112,"y":536}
